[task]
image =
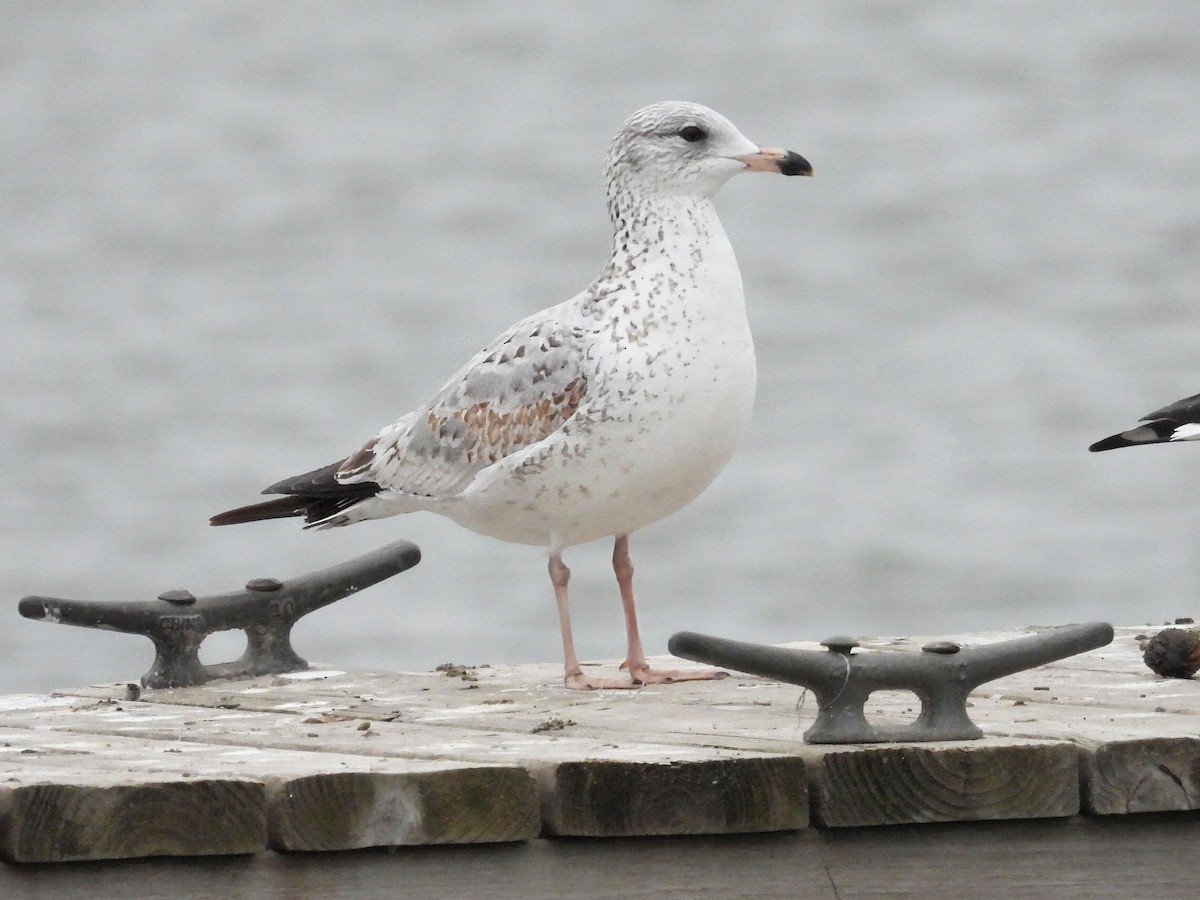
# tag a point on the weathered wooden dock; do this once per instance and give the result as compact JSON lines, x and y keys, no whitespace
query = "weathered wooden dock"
{"x":335,"y":760}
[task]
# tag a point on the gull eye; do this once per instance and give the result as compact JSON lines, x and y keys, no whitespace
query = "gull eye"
{"x":692,"y":133}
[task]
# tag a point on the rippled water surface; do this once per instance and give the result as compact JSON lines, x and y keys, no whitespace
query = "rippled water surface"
{"x":239,"y":238}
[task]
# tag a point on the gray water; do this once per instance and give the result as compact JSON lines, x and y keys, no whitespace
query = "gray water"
{"x":239,"y":238}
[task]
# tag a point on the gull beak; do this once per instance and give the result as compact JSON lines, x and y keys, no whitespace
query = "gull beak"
{"x":773,"y":159}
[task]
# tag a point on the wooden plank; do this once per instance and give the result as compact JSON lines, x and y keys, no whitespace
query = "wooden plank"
{"x":351,"y":810}
{"x":742,"y":791}
{"x":686,"y":706}
{"x":111,"y":816}
{"x":749,"y":714}
{"x":1137,"y":776}
{"x":343,"y":735}
{"x":314,"y":801}
{"x":942,"y":782}
{"x":597,"y":798}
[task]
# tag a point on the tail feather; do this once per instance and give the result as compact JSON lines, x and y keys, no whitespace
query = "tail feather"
{"x":283,"y":508}
{"x":316,"y":495}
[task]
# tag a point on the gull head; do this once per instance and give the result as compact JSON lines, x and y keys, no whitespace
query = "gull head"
{"x":688,"y":149}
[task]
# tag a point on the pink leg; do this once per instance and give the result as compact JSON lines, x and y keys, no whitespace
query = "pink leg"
{"x":574,"y":678}
{"x":635,"y":659}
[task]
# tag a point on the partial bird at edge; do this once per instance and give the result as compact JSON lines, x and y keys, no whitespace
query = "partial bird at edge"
{"x":1179,"y":421}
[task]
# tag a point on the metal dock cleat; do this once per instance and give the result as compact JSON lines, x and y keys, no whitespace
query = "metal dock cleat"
{"x":942,"y":675}
{"x":178,"y":621}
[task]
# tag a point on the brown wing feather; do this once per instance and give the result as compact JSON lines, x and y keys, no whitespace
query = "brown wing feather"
{"x":513,"y":394}
{"x":493,"y":435}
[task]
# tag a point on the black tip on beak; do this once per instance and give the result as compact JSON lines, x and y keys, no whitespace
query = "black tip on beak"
{"x":794,"y":164}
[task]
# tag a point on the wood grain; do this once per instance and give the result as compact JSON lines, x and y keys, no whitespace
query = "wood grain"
{"x":900,"y":784}
{"x":117,"y":819}
{"x":596,"y":798}
{"x":351,"y":810}
{"x":1147,"y":775}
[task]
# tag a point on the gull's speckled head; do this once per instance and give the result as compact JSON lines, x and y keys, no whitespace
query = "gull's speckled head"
{"x":677,"y":147}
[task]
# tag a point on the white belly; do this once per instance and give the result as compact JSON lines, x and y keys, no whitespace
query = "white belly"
{"x":650,"y":441}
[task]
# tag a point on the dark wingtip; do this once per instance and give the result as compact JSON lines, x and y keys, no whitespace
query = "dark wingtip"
{"x":795,"y":164}
{"x":1110,"y":443}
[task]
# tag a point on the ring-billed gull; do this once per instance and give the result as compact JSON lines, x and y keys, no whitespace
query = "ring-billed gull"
{"x":1178,"y":422}
{"x":600,"y":415}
